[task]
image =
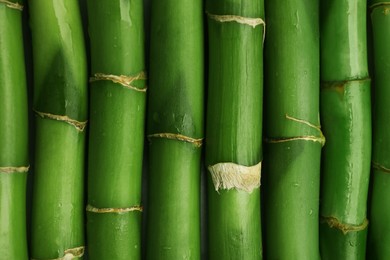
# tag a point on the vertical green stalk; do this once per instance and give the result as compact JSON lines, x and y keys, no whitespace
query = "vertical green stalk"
{"x":234,"y":128}
{"x":346,"y":119}
{"x":116,"y":137}
{"x":292,"y":129}
{"x":379,"y":229}
{"x":13,"y":134}
{"x":175,"y":129}
{"x":60,"y":105}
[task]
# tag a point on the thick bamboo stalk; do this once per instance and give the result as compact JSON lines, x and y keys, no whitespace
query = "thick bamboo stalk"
{"x":60,"y":105}
{"x":346,"y":119}
{"x":292,"y":129}
{"x":379,"y":229}
{"x":13,"y":134}
{"x":175,"y":129}
{"x":116,"y":137}
{"x":234,"y":128}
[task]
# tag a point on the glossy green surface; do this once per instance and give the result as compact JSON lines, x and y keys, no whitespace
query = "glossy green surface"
{"x":346,"y":121}
{"x":13,"y":136}
{"x":116,"y":135}
{"x":292,"y":167}
{"x":60,"y":88}
{"x":176,"y":83}
{"x":234,"y":127}
{"x":58,"y":196}
{"x":379,"y":229}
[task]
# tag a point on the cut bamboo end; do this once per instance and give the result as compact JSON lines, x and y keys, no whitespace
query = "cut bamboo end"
{"x":12,"y":5}
{"x":69,"y":254}
{"x":379,"y":167}
{"x":125,"y":81}
{"x":344,"y":227}
{"x":227,"y":176}
{"x":178,"y":137}
{"x":80,"y":126}
{"x":11,"y":169}
{"x":114,"y":210}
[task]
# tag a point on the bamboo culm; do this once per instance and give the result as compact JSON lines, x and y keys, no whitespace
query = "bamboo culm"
{"x":60,"y":106}
{"x":379,"y":229}
{"x":13,"y":134}
{"x":116,"y":136}
{"x":293,"y":135}
{"x":346,"y":120}
{"x":175,"y":129}
{"x":234,"y":128}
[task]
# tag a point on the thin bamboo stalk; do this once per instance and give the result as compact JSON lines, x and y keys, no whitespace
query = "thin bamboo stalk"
{"x":234,"y":128}
{"x":346,"y":119}
{"x":292,"y":129}
{"x":175,"y":129}
{"x":116,"y":136}
{"x":379,"y":229}
{"x":60,"y":105}
{"x":13,"y":134}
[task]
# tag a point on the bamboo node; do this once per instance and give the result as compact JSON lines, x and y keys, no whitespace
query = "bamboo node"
{"x":379,"y":167}
{"x":253,"y":22}
{"x":12,"y":5}
{"x":123,"y":80}
{"x":80,"y":126}
{"x":179,"y":137}
{"x":373,"y":6}
{"x":228,"y":175}
{"x":91,"y":208}
{"x":12,"y":169}
{"x":344,"y":227}
{"x":69,"y":254}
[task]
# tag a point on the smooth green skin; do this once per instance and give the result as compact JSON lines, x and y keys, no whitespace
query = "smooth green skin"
{"x":291,"y":168}
{"x":13,"y":136}
{"x":346,"y":121}
{"x":60,"y":88}
{"x":118,"y":235}
{"x":58,"y":196}
{"x":116,"y":136}
{"x":59,"y":58}
{"x":173,"y":213}
{"x":234,"y":127}
{"x":343,"y":246}
{"x":176,"y":82}
{"x":291,"y":188}
{"x":379,"y":229}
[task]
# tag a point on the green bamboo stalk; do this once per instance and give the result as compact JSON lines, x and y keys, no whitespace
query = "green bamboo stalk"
{"x":13,"y":133}
{"x":116,"y":137}
{"x":346,"y":119}
{"x":234,"y":128}
{"x":379,"y":229}
{"x":60,"y":105}
{"x":175,"y":129}
{"x":292,"y":129}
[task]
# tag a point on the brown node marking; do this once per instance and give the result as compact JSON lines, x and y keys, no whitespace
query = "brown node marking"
{"x":12,"y":169}
{"x":80,"y":126}
{"x":179,"y":137}
{"x":113,"y":210}
{"x":123,"y":80}
{"x":344,"y":227}
{"x":12,"y":5}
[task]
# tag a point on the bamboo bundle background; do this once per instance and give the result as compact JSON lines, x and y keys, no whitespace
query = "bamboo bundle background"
{"x":13,"y":134}
{"x":346,"y":120}
{"x":234,"y":128}
{"x":174,"y":162}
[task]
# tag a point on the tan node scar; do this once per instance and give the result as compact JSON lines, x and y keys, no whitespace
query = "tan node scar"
{"x":11,"y":169}
{"x":379,"y":167}
{"x":320,"y":139}
{"x":179,"y":137}
{"x":113,"y":210}
{"x":228,"y":175}
{"x":80,"y":126}
{"x":123,"y":80}
{"x":69,"y":254}
{"x":343,"y":227}
{"x":12,"y":5}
